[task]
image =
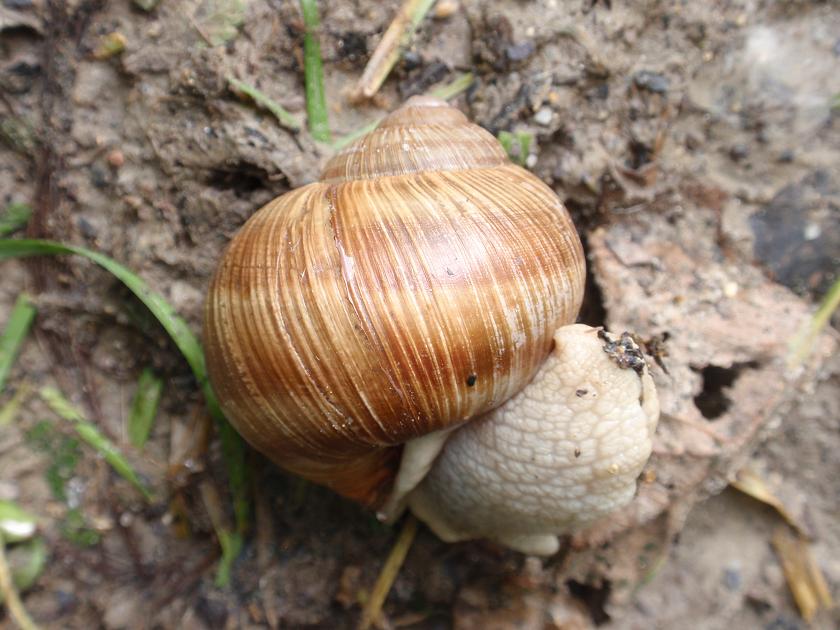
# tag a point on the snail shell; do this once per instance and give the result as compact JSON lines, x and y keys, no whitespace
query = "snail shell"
{"x":415,"y":286}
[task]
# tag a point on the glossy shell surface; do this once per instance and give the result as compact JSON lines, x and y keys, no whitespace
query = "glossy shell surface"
{"x":417,"y":285}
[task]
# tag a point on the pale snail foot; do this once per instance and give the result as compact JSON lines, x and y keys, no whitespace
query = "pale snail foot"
{"x":425,"y":507}
{"x":562,"y":453}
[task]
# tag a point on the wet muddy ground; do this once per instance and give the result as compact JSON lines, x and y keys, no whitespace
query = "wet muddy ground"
{"x":697,"y":146}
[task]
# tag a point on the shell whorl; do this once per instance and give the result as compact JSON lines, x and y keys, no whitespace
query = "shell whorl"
{"x":425,"y":134}
{"x":406,"y":292}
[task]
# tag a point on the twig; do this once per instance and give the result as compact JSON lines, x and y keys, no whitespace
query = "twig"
{"x":391,"y":46}
{"x":316,"y":104}
{"x":10,"y":594}
{"x":373,"y":606}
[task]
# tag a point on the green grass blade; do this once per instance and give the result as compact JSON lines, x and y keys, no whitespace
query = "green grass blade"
{"x":802,"y":344}
{"x":231,"y":544}
{"x":355,"y":135}
{"x":14,"y":217}
{"x":524,"y":146}
{"x":516,"y":145}
{"x":261,"y":99}
{"x":11,"y":408}
{"x":144,"y":408}
{"x":16,"y":524}
{"x":27,"y":561}
{"x":172,"y":323}
{"x":93,"y":437}
{"x":444,"y":92}
{"x":233,"y":448}
{"x":313,"y":72}
{"x":454,"y":88}
{"x":23,"y":313}
{"x":9,"y":593}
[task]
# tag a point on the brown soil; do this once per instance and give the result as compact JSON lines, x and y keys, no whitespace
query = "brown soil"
{"x":698,"y":150}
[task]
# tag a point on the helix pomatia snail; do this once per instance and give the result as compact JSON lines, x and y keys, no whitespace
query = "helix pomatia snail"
{"x":384,"y":321}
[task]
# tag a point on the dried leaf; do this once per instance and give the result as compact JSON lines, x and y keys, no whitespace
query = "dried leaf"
{"x":803,"y":575}
{"x":750,"y":483}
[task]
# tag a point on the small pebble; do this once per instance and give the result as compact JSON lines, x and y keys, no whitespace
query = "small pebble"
{"x":87,"y":229}
{"x":730,"y":289}
{"x":145,"y":5}
{"x":812,"y":231}
{"x":519,"y":52}
{"x":445,"y":8}
{"x":693,"y":141}
{"x":786,"y":156}
{"x":412,"y":60}
{"x":651,"y":81}
{"x":732,"y":578}
{"x":543,"y":116}
{"x":115,"y":158}
{"x":531,"y":161}
{"x":739,"y":152}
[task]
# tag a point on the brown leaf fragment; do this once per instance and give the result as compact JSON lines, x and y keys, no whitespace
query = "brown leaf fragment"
{"x":804,"y":577}
{"x":750,"y":483}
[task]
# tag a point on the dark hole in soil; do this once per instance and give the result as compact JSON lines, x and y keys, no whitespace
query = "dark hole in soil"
{"x":713,"y":401}
{"x":593,"y":597}
{"x":592,"y":311}
{"x":242,"y":178}
{"x":640,"y":155}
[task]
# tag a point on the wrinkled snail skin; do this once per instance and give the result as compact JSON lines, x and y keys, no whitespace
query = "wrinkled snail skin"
{"x":402,"y":332}
{"x":417,"y":286}
{"x":562,"y":453}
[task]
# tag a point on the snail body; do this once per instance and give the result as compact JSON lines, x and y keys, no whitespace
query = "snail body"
{"x":417,"y":286}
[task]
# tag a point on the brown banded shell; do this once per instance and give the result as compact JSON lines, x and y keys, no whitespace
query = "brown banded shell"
{"x":417,"y":285}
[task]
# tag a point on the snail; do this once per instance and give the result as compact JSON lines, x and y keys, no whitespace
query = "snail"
{"x":402,"y":331}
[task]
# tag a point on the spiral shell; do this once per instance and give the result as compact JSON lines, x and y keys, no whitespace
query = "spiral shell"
{"x":418,"y":284}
